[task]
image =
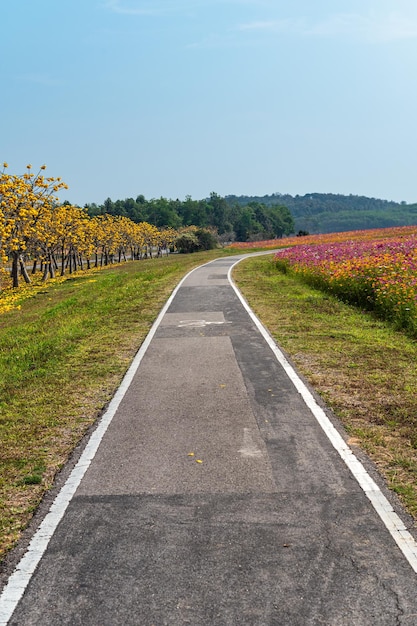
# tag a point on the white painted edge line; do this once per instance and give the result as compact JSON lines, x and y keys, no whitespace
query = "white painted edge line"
{"x":19,"y":580}
{"x":391,"y":520}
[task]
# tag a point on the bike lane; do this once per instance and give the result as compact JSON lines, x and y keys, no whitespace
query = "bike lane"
{"x":215,"y":496}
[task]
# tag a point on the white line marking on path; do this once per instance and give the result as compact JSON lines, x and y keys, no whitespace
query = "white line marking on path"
{"x":19,"y":580}
{"x":249,"y":448}
{"x":392,"y":521}
{"x":199,"y":323}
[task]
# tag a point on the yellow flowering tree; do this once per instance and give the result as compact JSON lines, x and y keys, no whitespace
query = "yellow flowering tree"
{"x":166,"y":240}
{"x":24,"y":200}
{"x":84,"y":237}
{"x":149,"y":238}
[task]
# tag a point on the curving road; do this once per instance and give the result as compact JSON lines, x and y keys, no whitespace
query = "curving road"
{"x":215,"y":492}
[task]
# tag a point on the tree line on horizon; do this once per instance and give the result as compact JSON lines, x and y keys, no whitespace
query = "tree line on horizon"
{"x":251,"y":218}
{"x":251,"y":222}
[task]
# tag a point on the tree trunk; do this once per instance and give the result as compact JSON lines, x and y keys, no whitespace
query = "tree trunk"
{"x":62,"y":261}
{"x":15,"y":269}
{"x":51,"y":267}
{"x":45,"y":273}
{"x":23,"y":270}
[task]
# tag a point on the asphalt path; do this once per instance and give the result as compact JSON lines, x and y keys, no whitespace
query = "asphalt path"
{"x":217,"y":495}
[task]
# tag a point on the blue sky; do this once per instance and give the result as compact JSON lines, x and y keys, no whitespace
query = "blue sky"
{"x":184,"y":97}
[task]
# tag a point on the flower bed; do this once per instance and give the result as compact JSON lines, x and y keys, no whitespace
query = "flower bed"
{"x":374,"y":270}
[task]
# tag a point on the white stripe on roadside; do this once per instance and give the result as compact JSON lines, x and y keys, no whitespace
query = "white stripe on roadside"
{"x":392,"y":521}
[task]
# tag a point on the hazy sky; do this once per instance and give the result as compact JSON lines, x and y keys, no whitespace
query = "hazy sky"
{"x":184,"y":97}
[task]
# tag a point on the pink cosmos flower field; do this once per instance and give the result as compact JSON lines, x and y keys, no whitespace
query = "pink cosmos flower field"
{"x":374,"y":269}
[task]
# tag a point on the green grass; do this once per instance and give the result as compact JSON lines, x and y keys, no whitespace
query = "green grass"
{"x":364,"y":369}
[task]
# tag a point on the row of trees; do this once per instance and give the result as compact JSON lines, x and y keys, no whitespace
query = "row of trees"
{"x":232,"y":221}
{"x":35,"y":228}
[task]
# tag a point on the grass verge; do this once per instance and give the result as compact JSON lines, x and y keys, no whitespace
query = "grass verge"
{"x":364,"y":370}
{"x":64,"y":348}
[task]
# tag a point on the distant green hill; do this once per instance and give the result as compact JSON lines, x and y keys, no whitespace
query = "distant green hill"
{"x":327,"y":212}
